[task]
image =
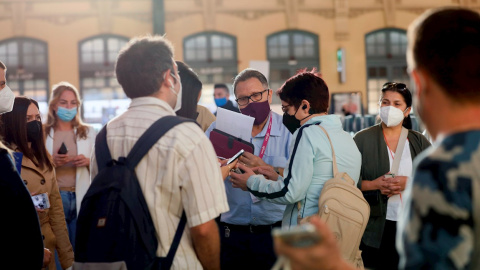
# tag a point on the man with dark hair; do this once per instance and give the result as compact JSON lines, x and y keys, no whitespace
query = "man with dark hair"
{"x":180,"y":172}
{"x":440,"y":226}
{"x":245,"y":230}
{"x":221,"y":94}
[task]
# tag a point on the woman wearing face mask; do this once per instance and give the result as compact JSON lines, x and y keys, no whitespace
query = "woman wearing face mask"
{"x":305,"y":100}
{"x":70,"y":143}
{"x":22,"y":131}
{"x":378,"y":145}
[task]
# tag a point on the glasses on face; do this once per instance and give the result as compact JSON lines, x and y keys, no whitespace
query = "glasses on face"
{"x":285,"y":108}
{"x":254,"y":98}
{"x":391,"y":85}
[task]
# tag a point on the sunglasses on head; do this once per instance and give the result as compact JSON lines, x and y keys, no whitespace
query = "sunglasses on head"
{"x":391,"y":85}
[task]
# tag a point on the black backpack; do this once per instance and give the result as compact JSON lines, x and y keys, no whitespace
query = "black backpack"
{"x":114,"y":226}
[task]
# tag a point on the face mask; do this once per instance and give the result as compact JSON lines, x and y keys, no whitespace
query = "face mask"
{"x":178,"y":105}
{"x":290,"y":122}
{"x":221,"y":101}
{"x":391,"y":116}
{"x":33,"y":130}
{"x":66,"y":115}
{"x":7,"y":98}
{"x":257,"y":110}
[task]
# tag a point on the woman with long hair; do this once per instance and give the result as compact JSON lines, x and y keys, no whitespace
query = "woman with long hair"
{"x":22,"y":131}
{"x":70,"y":142}
{"x":382,"y":189}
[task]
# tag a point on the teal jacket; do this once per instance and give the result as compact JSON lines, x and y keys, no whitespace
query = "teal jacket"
{"x":375,"y":163}
{"x":309,"y":167}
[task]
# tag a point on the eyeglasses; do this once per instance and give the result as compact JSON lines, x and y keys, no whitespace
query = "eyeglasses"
{"x":391,"y":85}
{"x":254,"y":98}
{"x":285,"y":108}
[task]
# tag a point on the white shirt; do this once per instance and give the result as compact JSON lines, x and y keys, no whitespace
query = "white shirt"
{"x":394,"y":204}
{"x":179,"y":173}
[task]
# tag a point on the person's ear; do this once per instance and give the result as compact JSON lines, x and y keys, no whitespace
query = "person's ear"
{"x":168,"y":80}
{"x":420,"y":81}
{"x":407,"y":111}
{"x":270,"y":94}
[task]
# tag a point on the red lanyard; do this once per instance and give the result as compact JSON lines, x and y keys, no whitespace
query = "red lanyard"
{"x":267,"y":137}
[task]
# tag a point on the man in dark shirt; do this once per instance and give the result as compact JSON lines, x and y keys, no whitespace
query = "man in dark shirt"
{"x":221,"y":95}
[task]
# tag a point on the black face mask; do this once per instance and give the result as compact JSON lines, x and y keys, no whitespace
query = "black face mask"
{"x":33,"y":130}
{"x":291,"y":122}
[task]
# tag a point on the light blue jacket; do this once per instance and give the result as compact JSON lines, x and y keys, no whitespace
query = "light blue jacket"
{"x":309,"y":167}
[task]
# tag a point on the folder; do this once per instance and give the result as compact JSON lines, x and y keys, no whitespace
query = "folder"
{"x":227,"y":145}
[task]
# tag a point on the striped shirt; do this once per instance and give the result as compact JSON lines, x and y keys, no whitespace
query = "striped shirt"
{"x":180,"y":172}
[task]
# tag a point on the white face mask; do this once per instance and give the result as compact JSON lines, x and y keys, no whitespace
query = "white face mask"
{"x":7,"y":98}
{"x":391,"y":116}
{"x":178,"y":105}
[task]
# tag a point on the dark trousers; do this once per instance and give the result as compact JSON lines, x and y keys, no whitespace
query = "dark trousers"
{"x":243,"y":249}
{"x":385,"y":257}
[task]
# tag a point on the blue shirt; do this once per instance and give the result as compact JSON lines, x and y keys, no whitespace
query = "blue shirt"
{"x":437,"y":228}
{"x":309,"y":167}
{"x":242,"y":209}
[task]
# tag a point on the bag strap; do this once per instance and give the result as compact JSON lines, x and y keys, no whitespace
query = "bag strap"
{"x":334,"y":159}
{"x":102,"y":153}
{"x":166,"y":262}
{"x":151,"y":136}
{"x":399,"y":151}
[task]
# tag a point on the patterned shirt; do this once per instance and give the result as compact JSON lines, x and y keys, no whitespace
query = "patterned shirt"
{"x":180,"y":172}
{"x":436,"y":230}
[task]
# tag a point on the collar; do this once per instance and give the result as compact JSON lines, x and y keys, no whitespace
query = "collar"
{"x":327,"y":120}
{"x":152,"y":101}
{"x":277,"y":126}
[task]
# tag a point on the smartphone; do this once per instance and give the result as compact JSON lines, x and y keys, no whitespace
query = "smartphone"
{"x":41,"y":201}
{"x":63,"y":149}
{"x":304,"y":235}
{"x":237,"y":155}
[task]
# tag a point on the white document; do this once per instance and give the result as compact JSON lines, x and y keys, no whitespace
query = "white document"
{"x":235,"y":124}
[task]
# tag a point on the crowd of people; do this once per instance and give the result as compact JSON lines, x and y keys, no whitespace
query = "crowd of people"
{"x":423,"y":198}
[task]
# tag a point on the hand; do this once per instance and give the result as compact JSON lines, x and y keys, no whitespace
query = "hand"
{"x":47,"y":256}
{"x":266,"y":171}
{"x":227,"y":168}
{"x":251,"y":160}
{"x":396,"y":184}
{"x":60,"y":159}
{"x":323,"y":255}
{"x":240,"y":180}
{"x":381,"y":183}
{"x":81,"y":161}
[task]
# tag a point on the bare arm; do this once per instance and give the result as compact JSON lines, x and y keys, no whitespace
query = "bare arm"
{"x":206,"y":241}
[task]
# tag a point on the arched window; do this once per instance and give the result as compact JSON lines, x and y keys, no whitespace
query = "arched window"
{"x":103,"y":96}
{"x":27,"y":68}
{"x":386,"y":61}
{"x":213,"y":55}
{"x":288,"y":51}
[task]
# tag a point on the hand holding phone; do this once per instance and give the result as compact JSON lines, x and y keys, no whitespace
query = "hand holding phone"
{"x":41,"y":201}
{"x":304,"y":235}
{"x":63,"y":149}
{"x":237,"y":155}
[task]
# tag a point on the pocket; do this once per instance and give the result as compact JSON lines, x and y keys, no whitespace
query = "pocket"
{"x":346,"y":230}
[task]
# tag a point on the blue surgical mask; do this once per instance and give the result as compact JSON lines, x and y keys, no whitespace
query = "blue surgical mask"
{"x":221,"y":101}
{"x":66,"y":115}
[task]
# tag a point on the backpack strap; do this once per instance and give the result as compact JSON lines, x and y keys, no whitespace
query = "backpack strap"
{"x":151,"y":136}
{"x":399,"y":151}
{"x":102,"y":153}
{"x":334,"y":161}
{"x":166,"y":262}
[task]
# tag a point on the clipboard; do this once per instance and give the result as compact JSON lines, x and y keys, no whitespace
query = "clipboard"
{"x":227,"y":145}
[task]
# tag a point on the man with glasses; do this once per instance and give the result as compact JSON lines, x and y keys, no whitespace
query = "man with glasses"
{"x":245,"y":230}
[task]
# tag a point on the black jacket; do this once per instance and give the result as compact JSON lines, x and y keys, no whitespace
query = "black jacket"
{"x":21,"y":236}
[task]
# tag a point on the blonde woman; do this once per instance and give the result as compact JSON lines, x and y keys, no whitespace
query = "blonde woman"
{"x":70,"y":143}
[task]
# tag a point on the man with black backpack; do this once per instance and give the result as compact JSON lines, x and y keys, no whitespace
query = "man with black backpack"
{"x":176,"y":173}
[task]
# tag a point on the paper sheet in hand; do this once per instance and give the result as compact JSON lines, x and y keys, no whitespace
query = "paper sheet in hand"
{"x":235,"y":124}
